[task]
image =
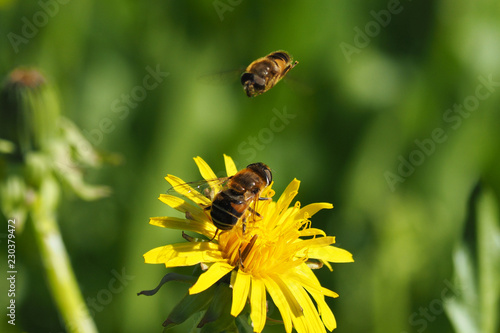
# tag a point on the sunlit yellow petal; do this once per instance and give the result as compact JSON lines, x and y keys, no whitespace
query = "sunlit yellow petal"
{"x":302,"y":274}
{"x":207,"y":173}
{"x":241,"y":288}
{"x":192,"y":260}
{"x":314,"y":322}
{"x":211,"y":276}
{"x":305,"y":246}
{"x":268,"y":192}
{"x":258,"y":303}
{"x":231,"y":169}
{"x":327,"y":264}
{"x":312,"y":232}
{"x":330,"y":253}
{"x":280,"y":301}
{"x":287,"y":196}
{"x":186,"y":190}
{"x":286,"y":215}
{"x":201,"y":227}
{"x":311,"y":209}
{"x":178,"y":203}
{"x":205,"y":170}
{"x":324,"y":311}
{"x":298,"y":319}
{"x":329,"y":293}
{"x":186,"y":253}
{"x":167,"y":221}
{"x":307,"y":278}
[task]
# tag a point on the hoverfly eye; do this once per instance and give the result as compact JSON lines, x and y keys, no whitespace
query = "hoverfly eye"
{"x":245,"y":77}
{"x":269,"y":176}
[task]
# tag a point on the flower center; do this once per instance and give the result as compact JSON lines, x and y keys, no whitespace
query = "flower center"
{"x":260,"y":250}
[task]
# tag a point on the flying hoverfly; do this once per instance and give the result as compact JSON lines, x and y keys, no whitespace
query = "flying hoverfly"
{"x":260,"y":76}
{"x":264,"y":73}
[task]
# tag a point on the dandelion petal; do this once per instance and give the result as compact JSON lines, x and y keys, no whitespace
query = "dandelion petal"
{"x":330,"y":253}
{"x":312,"y":209}
{"x":205,"y":170}
{"x":231,"y":169}
{"x":240,"y":292}
{"x":202,"y":228}
{"x":281,"y":303}
{"x":214,"y":274}
{"x":258,"y":303}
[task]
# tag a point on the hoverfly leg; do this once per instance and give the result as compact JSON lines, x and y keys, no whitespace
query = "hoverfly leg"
{"x":187,"y":237}
{"x":216,"y":232}
{"x":254,"y":212}
{"x":244,"y":224}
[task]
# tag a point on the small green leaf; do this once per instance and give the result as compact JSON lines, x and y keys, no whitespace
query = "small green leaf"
{"x":218,"y":317}
{"x":167,"y":278}
{"x":188,"y":306}
{"x":243,"y":325}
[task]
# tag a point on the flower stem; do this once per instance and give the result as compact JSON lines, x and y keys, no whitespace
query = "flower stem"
{"x":60,"y":276}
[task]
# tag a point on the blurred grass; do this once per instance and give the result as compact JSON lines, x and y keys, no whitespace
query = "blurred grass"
{"x":477,"y":267}
{"x":361,"y":116}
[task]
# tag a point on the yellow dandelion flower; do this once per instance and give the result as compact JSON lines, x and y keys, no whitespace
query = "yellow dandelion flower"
{"x":271,"y":257}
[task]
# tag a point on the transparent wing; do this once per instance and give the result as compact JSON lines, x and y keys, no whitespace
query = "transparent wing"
{"x":200,"y":192}
{"x":298,"y":85}
{"x":222,"y":78}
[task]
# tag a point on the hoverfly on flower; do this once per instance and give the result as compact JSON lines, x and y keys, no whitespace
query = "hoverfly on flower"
{"x":231,"y":197}
{"x":273,"y":260}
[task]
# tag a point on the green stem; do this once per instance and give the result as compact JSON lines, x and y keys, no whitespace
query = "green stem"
{"x":60,"y":276}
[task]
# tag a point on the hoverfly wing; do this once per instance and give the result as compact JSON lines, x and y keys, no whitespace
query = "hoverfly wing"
{"x":221,"y":78}
{"x":200,"y":192}
{"x":299,"y":85}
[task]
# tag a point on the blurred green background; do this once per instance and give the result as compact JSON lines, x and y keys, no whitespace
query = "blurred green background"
{"x":392,"y":115}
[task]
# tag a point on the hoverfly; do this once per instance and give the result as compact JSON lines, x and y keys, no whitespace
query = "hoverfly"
{"x":238,"y":193}
{"x":264,"y":73}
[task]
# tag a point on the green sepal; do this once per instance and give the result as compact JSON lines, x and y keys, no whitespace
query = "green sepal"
{"x":218,"y":317}
{"x":167,"y":278}
{"x":188,"y":306}
{"x":243,"y":323}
